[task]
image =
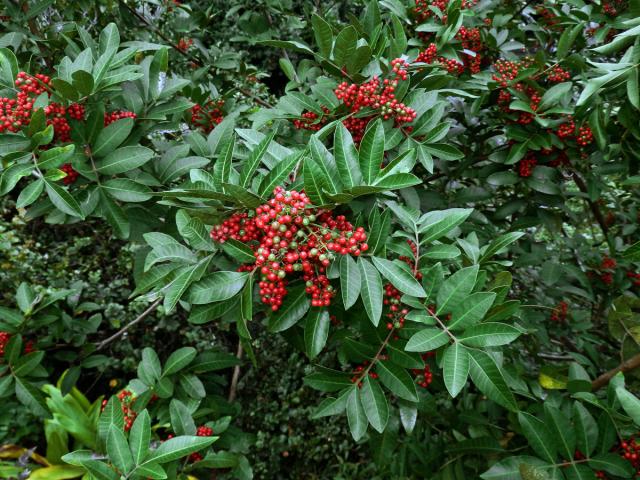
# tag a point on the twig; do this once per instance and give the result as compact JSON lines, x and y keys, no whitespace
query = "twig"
{"x":119,"y":333}
{"x":236,"y":374}
{"x":558,"y":358}
{"x":626,"y":366}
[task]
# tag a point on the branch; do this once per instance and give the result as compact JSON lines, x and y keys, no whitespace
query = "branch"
{"x":119,"y":333}
{"x":236,"y":374}
{"x":626,"y":366}
{"x":595,"y":209}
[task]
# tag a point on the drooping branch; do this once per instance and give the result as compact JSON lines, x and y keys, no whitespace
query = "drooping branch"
{"x":119,"y":333}
{"x":626,"y":366}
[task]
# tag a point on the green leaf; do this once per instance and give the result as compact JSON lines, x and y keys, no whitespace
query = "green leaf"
{"x":399,"y":276}
{"x":111,"y":415}
{"x":140,"y":436}
{"x":613,"y":464}
{"x":116,"y":217}
{"x":443,"y":151}
{"x":586,"y":429}
{"x":456,"y":288}
{"x":561,"y":429}
{"x":350,"y":281}
{"x":246,"y":310}
{"x":487,"y":377}
{"x":567,"y":39}
{"x":253,"y":161}
{"x":316,"y":331}
{"x":217,"y":286}
{"x":178,"y":447}
{"x":238,"y":251}
{"x":149,"y":369}
{"x":371,"y":292}
{"x":32,"y":397}
{"x":127,"y":190}
{"x":630,"y":403}
{"x":345,"y":45}
{"x":112,"y":136}
{"x":181,"y":419}
{"x":397,"y":380}
{"x":371,"y":153}
{"x":124,"y":159}
{"x":314,"y":181}
{"x":328,"y":380}
{"x":538,"y":436}
{"x":553,"y":94}
{"x":356,"y":416}
{"x":294,"y":307}
{"x":99,"y":470}
{"x":471,"y":310}
{"x":346,"y":157}
{"x":178,"y":360}
{"x":30,"y":193}
{"x":438,"y":223}
{"x":499,"y":243}
{"x":63,"y":200}
{"x":489,"y":334}
{"x":27,"y":363}
{"x":152,"y":471}
{"x":55,"y":157}
{"x":455,"y":368}
{"x":427,"y":340}
{"x":118,"y":450}
{"x":10,"y":142}
{"x":278,"y":174}
{"x":332,"y":406}
{"x":374,"y":403}
{"x":323,"y":35}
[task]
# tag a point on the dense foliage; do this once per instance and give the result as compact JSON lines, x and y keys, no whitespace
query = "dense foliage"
{"x":378,"y":239}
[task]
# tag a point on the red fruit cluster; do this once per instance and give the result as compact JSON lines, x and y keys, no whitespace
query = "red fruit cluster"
{"x":471,"y":42}
{"x":614,"y":7}
{"x":608,"y":263}
{"x":558,"y":75}
{"x":207,"y":116}
{"x":635,"y":278}
{"x":559,"y":314}
{"x":289,"y":237}
{"x":15,"y":113}
{"x":72,"y":175}
{"x":423,"y":12}
{"x":527,"y":164}
{"x":396,"y":313}
{"x":428,"y":55}
{"x":126,"y":398}
{"x":111,"y":117}
{"x":358,"y":373}
{"x":4,"y":339}
{"x":507,"y":70}
{"x":424,"y":377}
{"x":585,"y":136}
{"x":202,"y":431}
{"x":378,"y":95}
{"x":311,"y":121}
{"x":29,"y":346}
{"x":184,"y":44}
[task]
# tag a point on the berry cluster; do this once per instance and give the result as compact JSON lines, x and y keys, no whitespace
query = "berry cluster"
{"x":15,"y":113}
{"x":506,"y":71}
{"x":424,"y":377}
{"x":396,"y":312}
{"x":558,"y":75}
{"x":358,"y":373}
{"x":29,"y":346}
{"x":4,"y":339}
{"x":634,"y":277}
{"x":111,"y":117}
{"x":527,"y":164}
{"x":428,"y":55}
{"x":289,"y":237}
{"x":423,"y":12}
{"x":72,"y":175}
{"x":559,"y":314}
{"x":630,"y":450}
{"x":471,"y":42}
{"x":207,"y":116}
{"x":184,"y":44}
{"x":203,"y":431}
{"x":614,"y":7}
{"x":126,"y":398}
{"x":311,"y":121}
